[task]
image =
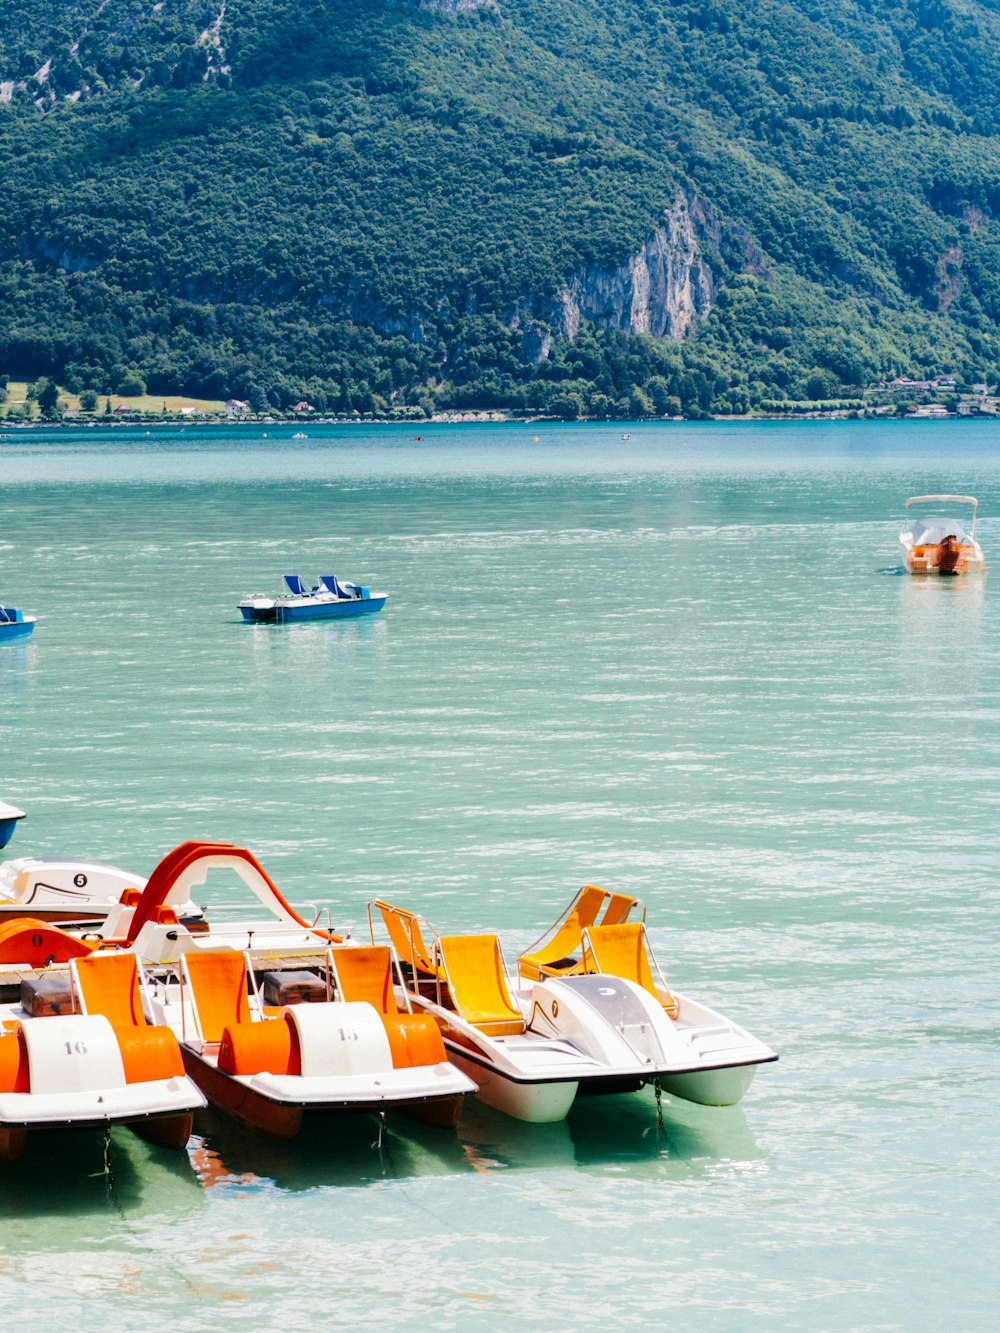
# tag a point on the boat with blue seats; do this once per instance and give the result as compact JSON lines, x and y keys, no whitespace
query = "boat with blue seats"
{"x":327,"y":600}
{"x":14,"y":624}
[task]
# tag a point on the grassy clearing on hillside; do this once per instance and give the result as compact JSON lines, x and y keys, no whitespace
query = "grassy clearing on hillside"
{"x":17,"y":398}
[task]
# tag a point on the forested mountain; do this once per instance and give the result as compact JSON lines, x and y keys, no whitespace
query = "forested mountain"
{"x":620,"y":207}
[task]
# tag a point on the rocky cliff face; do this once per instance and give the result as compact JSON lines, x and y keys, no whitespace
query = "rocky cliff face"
{"x":662,"y":289}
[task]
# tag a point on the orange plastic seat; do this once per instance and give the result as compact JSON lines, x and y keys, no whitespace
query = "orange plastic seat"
{"x":218,"y":985}
{"x":477,"y":979}
{"x":623,"y":951}
{"x":365,"y":974}
{"x":108,"y":984}
{"x":404,"y":932}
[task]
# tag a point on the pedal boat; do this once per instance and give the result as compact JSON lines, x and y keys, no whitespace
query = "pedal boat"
{"x":933,"y":542}
{"x":159,"y":921}
{"x":9,"y":815}
{"x":82,"y":1055}
{"x":582,"y":1030}
{"x":73,"y":893}
{"x":327,"y":600}
{"x":269,"y":1066}
{"x":14,"y":624}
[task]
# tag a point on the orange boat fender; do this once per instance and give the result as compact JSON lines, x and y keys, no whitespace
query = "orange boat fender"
{"x":149,"y":1053}
{"x":37,"y":944}
{"x":14,"y":1076}
{"x":270,"y":1047}
{"x":414,"y":1039}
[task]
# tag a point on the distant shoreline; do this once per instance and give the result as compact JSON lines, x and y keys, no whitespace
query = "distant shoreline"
{"x":492,"y":419}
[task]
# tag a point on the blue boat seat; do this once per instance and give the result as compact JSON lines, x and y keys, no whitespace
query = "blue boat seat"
{"x":297,"y":587}
{"x":329,"y":581}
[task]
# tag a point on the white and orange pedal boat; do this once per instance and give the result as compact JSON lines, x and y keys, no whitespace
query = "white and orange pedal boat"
{"x":938,"y":535}
{"x":76,"y":1050}
{"x":345,"y":1045}
{"x":589,"y":1014}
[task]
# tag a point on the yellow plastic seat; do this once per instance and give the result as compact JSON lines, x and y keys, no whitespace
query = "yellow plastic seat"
{"x":477,"y":979}
{"x":562,"y":948}
{"x":624,"y":951}
{"x":557,"y":954}
{"x":217,"y":981}
{"x":618,"y":909}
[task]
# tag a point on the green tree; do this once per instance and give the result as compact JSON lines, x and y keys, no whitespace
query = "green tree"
{"x":47,"y":396}
{"x":131,"y":385}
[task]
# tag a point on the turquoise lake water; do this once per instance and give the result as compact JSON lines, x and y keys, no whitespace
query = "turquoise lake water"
{"x":683,"y":665}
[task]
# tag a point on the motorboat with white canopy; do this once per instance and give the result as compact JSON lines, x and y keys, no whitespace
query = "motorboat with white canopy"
{"x":939,"y":535}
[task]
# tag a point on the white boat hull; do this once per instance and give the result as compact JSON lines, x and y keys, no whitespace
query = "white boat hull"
{"x":537,"y":1103}
{"x":712,"y":1087}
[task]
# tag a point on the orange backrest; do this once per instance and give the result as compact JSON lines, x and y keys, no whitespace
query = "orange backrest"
{"x":218,"y":985}
{"x":404,"y":931}
{"x":619,"y":951}
{"x":477,"y":979}
{"x":108,"y":984}
{"x":365,"y":974}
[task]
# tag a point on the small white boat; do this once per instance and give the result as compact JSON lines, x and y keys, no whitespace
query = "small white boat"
{"x":604,"y":1022}
{"x":71,"y":892}
{"x":939,"y":535}
{"x":78,"y":1052}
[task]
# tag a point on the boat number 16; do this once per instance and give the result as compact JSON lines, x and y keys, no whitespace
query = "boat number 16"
{"x":76,"y":1048}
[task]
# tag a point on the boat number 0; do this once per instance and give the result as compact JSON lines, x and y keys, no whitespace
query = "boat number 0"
{"x":80,"y":881}
{"x":76,"y":1048}
{"x":36,"y":940}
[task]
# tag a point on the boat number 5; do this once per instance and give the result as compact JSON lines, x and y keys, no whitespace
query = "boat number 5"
{"x":80,"y":881}
{"x":76,"y":1048}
